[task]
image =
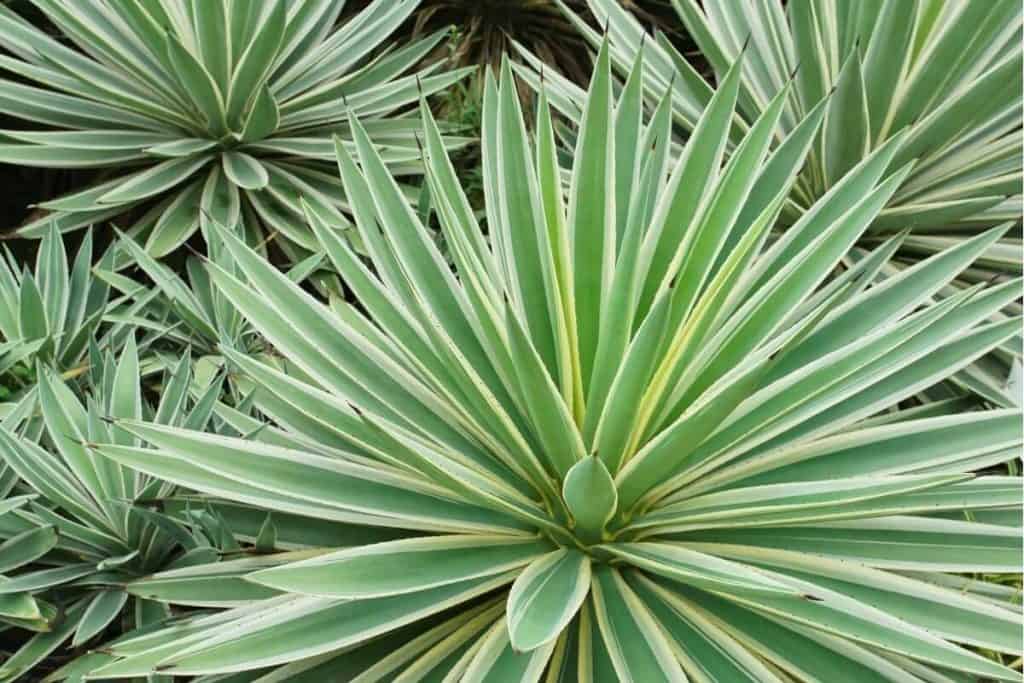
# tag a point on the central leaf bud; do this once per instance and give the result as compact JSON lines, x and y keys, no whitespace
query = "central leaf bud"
{"x":591,"y":498}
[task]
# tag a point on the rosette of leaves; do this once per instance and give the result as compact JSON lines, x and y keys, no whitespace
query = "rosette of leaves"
{"x":74,"y":529}
{"x":632,"y":439}
{"x":179,"y":310}
{"x":186,"y":313}
{"x":220,"y":108}
{"x":53,"y":312}
{"x":948,"y":74}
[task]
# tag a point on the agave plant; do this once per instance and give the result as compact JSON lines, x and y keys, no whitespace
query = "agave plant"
{"x":631,"y":438}
{"x":949,"y":73}
{"x":181,"y":311}
{"x":186,"y":315}
{"x":223,"y":108}
{"x":77,"y":529}
{"x":52,"y":313}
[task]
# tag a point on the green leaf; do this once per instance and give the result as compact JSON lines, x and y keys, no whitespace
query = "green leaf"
{"x":249,"y":472}
{"x":45,"y":578}
{"x":252,"y":68}
{"x":847,"y":128}
{"x":32,"y":311}
{"x":563,"y":448}
{"x":263,"y":117}
{"x":199,"y":84}
{"x":211,"y":23}
{"x":836,"y":613}
{"x":546,"y":597}
{"x":777,"y":642}
{"x":42,"y":644}
{"x":52,"y":271}
{"x":636,"y":644}
{"x":267,"y":538}
{"x":498,"y":659}
{"x":699,"y":569}
{"x":27,"y":546}
{"x":591,"y":219}
{"x":102,"y":610}
{"x":313,"y":626}
{"x":14,"y":502}
{"x":244,"y":170}
{"x":66,"y":422}
{"x":184,"y":147}
{"x":402,"y":566}
{"x":911,"y":543}
{"x":216,"y":584}
{"x":591,"y":498}
{"x":948,"y":613}
{"x":177,"y":223}
{"x":155,"y":180}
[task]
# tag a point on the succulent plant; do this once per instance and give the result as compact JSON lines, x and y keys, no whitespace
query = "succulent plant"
{"x":939,"y":70}
{"x":76,"y":529}
{"x":945,"y":75}
{"x":630,"y":438}
{"x":53,"y":312}
{"x":205,"y":109}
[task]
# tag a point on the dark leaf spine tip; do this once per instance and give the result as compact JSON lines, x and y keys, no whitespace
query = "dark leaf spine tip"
{"x":81,"y":442}
{"x":194,"y":252}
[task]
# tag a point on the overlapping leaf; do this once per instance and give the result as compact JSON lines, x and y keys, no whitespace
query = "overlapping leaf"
{"x":769,"y":507}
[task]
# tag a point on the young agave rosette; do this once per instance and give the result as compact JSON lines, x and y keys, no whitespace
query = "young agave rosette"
{"x":76,"y":529}
{"x":52,"y":312}
{"x":629,"y":437}
{"x":201,"y":109}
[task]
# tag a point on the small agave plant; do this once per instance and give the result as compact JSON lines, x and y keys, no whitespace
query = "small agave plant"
{"x":178,"y":311}
{"x":75,"y":529}
{"x":628,"y":439}
{"x":221,"y":108}
{"x":51,"y":313}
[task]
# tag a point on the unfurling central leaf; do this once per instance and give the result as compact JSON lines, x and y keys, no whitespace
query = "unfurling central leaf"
{"x":590,"y":495}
